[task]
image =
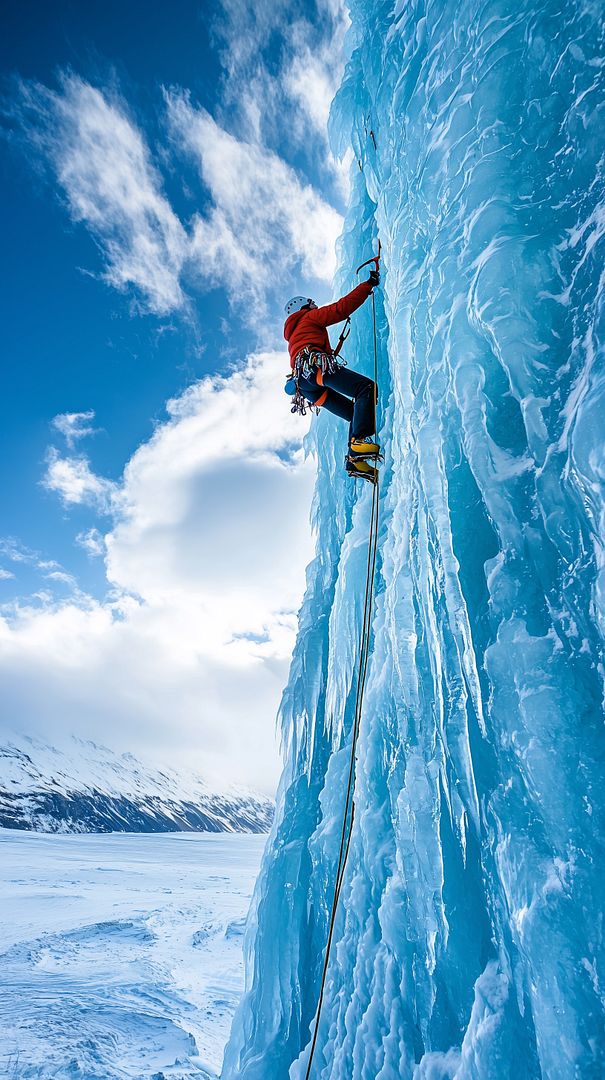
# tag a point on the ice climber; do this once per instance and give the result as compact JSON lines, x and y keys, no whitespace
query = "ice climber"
{"x":320,"y":380}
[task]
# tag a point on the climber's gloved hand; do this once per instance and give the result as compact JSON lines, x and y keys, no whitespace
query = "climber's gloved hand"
{"x":374,"y":278}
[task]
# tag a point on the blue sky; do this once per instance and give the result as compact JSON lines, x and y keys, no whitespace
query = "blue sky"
{"x":167,"y":185}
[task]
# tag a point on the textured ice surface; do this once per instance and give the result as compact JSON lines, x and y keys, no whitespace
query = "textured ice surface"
{"x":120,"y":956}
{"x":469,"y":938}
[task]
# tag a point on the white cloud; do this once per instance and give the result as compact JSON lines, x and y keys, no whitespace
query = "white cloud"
{"x":314,"y":69}
{"x":311,"y":83}
{"x":264,"y":222}
{"x":14,"y":551}
{"x":92,"y":541}
{"x":72,"y":479}
{"x":206,"y":560}
{"x":62,"y":578}
{"x":288,"y":105}
{"x":209,"y":508}
{"x":104,"y":167}
{"x":19,"y":553}
{"x":42,"y":569}
{"x":75,"y":426}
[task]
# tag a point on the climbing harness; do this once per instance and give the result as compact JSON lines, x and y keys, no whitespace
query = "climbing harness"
{"x":314,"y":361}
{"x":364,"y":653}
{"x":311,"y":359}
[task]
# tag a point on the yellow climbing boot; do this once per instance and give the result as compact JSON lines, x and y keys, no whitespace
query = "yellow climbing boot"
{"x":363,"y":448}
{"x":360,"y":469}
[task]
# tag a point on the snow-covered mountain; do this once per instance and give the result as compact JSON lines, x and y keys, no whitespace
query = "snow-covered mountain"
{"x":89,"y":788}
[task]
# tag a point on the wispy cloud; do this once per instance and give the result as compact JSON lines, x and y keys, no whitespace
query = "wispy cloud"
{"x":73,"y":480}
{"x":104,"y":167}
{"x":16,"y":552}
{"x":61,"y":577}
{"x":282,"y":69}
{"x":26,"y":558}
{"x":75,"y":426}
{"x":92,"y":541}
{"x":263,"y":213}
{"x":264,"y":220}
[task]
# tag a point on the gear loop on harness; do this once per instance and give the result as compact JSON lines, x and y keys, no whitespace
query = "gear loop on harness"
{"x":310,"y":359}
{"x":311,"y":362}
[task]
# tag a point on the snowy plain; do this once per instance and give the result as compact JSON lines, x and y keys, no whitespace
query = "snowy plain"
{"x":121,"y":954}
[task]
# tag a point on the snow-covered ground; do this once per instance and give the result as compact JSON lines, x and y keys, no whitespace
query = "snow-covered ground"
{"x":120,"y":954}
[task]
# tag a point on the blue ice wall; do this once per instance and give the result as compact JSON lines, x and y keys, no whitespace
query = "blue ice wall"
{"x":469,"y":937}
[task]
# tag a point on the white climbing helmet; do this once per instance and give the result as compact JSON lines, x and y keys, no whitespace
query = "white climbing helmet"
{"x":296,"y":303}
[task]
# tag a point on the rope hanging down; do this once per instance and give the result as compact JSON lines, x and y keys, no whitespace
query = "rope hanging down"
{"x":364,"y":652}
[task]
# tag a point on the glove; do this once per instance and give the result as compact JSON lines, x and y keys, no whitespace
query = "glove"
{"x":374,"y":278}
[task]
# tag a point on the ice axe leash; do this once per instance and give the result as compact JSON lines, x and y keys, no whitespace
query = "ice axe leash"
{"x":346,"y":330}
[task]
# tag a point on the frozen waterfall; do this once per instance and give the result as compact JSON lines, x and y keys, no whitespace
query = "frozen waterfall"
{"x":469,"y":935}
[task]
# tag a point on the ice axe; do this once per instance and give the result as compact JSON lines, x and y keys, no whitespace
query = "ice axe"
{"x":347,"y":327}
{"x":375,"y":259}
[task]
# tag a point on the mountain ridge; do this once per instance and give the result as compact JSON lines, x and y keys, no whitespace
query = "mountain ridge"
{"x":90,"y":788}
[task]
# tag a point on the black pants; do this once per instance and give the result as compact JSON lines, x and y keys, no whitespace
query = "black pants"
{"x":360,"y":412}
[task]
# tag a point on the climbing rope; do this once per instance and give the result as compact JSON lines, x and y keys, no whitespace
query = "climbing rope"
{"x":364,"y":652}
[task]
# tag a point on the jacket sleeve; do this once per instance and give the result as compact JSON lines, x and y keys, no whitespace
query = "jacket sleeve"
{"x":335,"y":313}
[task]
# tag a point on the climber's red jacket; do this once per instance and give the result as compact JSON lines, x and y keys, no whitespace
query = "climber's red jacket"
{"x":308,"y":327}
